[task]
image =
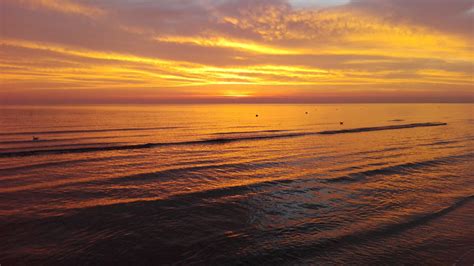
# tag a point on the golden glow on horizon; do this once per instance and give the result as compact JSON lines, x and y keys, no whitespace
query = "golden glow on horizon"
{"x":237,"y":94}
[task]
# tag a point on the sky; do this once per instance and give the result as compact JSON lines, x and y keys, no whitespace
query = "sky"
{"x":192,"y":51}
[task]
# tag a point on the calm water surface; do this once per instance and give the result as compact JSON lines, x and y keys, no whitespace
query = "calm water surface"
{"x":215,"y":184}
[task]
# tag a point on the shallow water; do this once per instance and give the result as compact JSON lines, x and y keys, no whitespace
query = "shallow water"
{"x":215,"y":184}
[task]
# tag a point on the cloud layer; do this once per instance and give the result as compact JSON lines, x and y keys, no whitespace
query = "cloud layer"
{"x":251,"y":50}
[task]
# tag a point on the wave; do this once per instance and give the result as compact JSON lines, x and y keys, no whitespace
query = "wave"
{"x":143,"y":146}
{"x":250,"y":132}
{"x":384,"y":150}
{"x":172,"y":173}
{"x":397,"y":169}
{"x":29,"y":141}
{"x":62,"y":163}
{"x":68,"y":145}
{"x":446,"y":142}
{"x":84,"y":131}
{"x":306,"y":250}
{"x":421,"y":219}
{"x":213,"y":140}
{"x":169,"y":174}
{"x":441,"y":142}
{"x":392,"y":127}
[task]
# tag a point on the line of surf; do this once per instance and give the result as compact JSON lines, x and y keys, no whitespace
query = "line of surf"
{"x":381,"y":128}
{"x":23,"y":141}
{"x":215,"y":140}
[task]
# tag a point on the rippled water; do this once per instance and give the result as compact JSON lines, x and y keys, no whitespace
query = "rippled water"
{"x":217,"y":184}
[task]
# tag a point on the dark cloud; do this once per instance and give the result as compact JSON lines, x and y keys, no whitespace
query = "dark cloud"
{"x":450,"y":16}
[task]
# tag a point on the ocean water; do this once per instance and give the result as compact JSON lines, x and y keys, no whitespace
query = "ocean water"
{"x":217,"y":184}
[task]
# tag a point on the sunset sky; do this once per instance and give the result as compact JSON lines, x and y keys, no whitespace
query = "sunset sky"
{"x":144,"y":51}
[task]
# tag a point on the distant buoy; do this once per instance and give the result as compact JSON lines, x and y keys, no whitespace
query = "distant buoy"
{"x":35,"y":138}
{"x":256,"y":115}
{"x":341,"y":123}
{"x":306,"y":113}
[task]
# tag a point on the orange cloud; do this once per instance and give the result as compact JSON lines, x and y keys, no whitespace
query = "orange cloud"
{"x":65,"y":6}
{"x":223,"y":42}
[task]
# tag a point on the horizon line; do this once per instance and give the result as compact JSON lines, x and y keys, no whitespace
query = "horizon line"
{"x":219,"y":103}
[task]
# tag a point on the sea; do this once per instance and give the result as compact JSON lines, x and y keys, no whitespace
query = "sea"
{"x":237,"y":184}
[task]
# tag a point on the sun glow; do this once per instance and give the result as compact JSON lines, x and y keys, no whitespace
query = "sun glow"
{"x":237,"y":94}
